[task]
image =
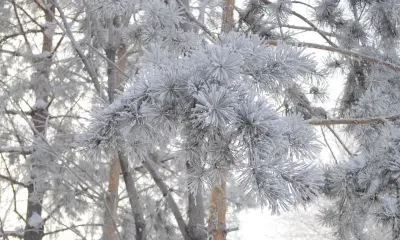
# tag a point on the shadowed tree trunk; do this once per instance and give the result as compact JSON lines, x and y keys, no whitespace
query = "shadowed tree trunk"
{"x":36,"y":188}
{"x":196,"y":215}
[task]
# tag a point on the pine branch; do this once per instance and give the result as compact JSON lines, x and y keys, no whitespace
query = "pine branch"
{"x":328,"y":122}
{"x":30,"y":17}
{"x":316,"y":29}
{"x":357,"y":56}
{"x":307,"y":29}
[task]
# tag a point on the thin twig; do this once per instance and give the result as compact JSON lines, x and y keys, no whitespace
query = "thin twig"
{"x":328,"y":145}
{"x":89,"y":68}
{"x":109,"y":61}
{"x":193,"y":19}
{"x":340,"y":140}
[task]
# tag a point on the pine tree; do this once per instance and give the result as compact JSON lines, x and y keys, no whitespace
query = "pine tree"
{"x":193,"y":102}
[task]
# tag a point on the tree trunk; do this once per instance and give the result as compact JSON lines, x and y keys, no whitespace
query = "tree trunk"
{"x":134,"y":199}
{"x":227,"y":16}
{"x":39,"y":118}
{"x":196,"y":215}
{"x":217,"y":207}
{"x":110,"y":215}
{"x":217,"y":214}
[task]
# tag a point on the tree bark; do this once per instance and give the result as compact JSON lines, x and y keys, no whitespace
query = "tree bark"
{"x":196,"y":215}
{"x":217,"y":214}
{"x":39,"y":118}
{"x":134,"y":198}
{"x":110,"y":215}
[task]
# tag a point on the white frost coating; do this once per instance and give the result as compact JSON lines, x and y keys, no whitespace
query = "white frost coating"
{"x":40,"y":104}
{"x":50,"y":28}
{"x":35,"y":220}
{"x":389,"y":205}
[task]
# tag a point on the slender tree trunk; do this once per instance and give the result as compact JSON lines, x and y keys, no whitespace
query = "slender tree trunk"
{"x":196,"y":215}
{"x":218,"y":207}
{"x":217,"y":214}
{"x":39,"y":118}
{"x":110,"y":215}
{"x":134,"y":198}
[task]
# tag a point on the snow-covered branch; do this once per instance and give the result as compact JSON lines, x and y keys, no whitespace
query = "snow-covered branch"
{"x":377,"y":120}
{"x":347,"y":53}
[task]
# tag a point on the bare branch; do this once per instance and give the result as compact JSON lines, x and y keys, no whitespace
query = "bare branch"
{"x":21,"y":150}
{"x":312,"y":25}
{"x":328,"y":122}
{"x":193,"y":19}
{"x":12,"y":180}
{"x":73,"y":227}
{"x":89,"y":68}
{"x":108,"y":61}
{"x":338,"y":50}
{"x":6,"y":37}
{"x":328,"y":145}
{"x":15,"y":234}
{"x":150,"y":166}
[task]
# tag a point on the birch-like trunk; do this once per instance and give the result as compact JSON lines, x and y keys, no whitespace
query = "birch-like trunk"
{"x":39,"y":119}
